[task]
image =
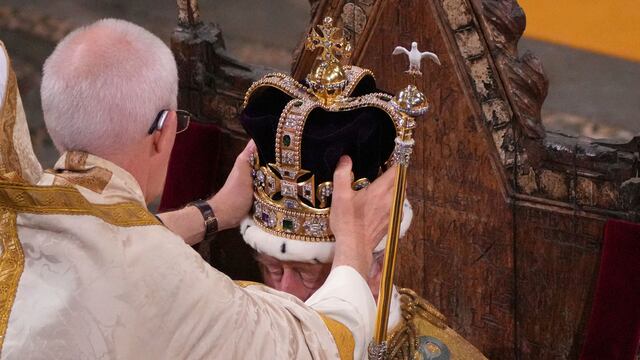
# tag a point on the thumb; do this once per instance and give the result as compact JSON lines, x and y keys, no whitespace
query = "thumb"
{"x":342,"y":177}
{"x":246,"y":153}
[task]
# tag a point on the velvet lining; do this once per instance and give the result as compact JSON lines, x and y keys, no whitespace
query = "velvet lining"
{"x":192,"y":167}
{"x":365,"y":134}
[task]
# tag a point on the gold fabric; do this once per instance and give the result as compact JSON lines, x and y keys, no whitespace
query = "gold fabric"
{"x":95,"y":179}
{"x":17,"y":160}
{"x":342,"y":336}
{"x":68,"y":201}
{"x":9,"y":163}
{"x":423,"y":334}
{"x":245,"y":283}
{"x":12,"y":127}
{"x":11,"y":266}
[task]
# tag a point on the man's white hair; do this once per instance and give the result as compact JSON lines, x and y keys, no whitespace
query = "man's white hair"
{"x":103,"y":86}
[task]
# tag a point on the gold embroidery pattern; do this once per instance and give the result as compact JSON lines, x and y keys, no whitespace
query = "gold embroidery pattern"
{"x":75,"y":160}
{"x":11,"y":266}
{"x":68,"y":201}
{"x":342,"y":336}
{"x":9,"y":161}
{"x":95,"y":179}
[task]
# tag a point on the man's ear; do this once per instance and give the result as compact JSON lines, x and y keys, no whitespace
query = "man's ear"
{"x":163,"y":139}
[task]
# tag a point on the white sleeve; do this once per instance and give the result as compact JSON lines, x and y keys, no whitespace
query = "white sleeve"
{"x":346,"y":297}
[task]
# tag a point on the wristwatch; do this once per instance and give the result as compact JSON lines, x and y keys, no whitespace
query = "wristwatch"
{"x":210,"y":220}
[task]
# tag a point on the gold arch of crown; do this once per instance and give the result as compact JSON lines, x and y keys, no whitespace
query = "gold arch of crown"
{"x":285,"y":204}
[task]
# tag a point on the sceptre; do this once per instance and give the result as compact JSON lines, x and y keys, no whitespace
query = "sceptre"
{"x":410,"y":103}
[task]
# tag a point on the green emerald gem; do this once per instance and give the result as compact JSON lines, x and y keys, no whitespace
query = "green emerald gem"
{"x":287,"y":224}
{"x":286,"y":140}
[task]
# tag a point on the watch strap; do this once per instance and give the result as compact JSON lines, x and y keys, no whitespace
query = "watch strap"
{"x":209,"y":216}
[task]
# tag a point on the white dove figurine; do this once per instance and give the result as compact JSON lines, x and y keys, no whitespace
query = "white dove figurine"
{"x":415,"y":57}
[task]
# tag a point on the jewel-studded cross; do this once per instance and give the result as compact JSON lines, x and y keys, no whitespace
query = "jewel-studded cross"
{"x":331,"y":40}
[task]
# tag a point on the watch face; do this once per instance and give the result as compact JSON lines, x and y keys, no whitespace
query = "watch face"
{"x":431,"y":348}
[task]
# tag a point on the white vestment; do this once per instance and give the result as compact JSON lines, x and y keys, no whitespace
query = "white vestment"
{"x":86,"y":272}
{"x":94,"y":290}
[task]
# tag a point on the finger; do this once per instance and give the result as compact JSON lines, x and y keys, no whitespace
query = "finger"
{"x":342,"y":177}
{"x":249,"y":149}
{"x":384,"y":182}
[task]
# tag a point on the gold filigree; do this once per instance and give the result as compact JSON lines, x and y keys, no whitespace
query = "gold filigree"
{"x":11,"y":267}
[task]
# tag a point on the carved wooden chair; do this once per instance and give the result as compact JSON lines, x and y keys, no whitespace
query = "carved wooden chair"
{"x":507,"y":234}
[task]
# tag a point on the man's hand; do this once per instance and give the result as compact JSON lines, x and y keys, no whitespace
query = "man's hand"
{"x":230,"y":204}
{"x":359,"y":219}
{"x":233,"y":202}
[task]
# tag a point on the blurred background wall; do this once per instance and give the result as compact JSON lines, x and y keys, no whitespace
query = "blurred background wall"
{"x":589,"y":49}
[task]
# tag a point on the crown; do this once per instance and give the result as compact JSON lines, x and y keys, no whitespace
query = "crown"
{"x":301,"y":131}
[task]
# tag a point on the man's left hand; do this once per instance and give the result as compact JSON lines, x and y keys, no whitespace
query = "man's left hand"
{"x":233,"y":202}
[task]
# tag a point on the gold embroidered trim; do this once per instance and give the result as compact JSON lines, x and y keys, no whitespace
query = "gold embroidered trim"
{"x":342,"y":336}
{"x":95,"y":179}
{"x":69,"y":201}
{"x":11,"y":267}
{"x":75,"y":160}
{"x":245,"y":283}
{"x":9,"y":161}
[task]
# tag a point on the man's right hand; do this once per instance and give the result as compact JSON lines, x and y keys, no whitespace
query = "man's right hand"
{"x":359,"y":219}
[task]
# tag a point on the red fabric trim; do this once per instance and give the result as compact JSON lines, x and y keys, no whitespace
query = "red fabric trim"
{"x":192,"y":167}
{"x":614,"y":326}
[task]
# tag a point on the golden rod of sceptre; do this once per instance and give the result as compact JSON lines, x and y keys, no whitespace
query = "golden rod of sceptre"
{"x":411,"y":103}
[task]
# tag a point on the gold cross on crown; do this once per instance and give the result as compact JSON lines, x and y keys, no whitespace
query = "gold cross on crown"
{"x":331,"y":40}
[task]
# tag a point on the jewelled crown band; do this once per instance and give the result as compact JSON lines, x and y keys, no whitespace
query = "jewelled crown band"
{"x":288,"y":202}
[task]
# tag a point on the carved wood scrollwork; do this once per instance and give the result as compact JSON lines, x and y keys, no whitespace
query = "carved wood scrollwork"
{"x":549,"y":168}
